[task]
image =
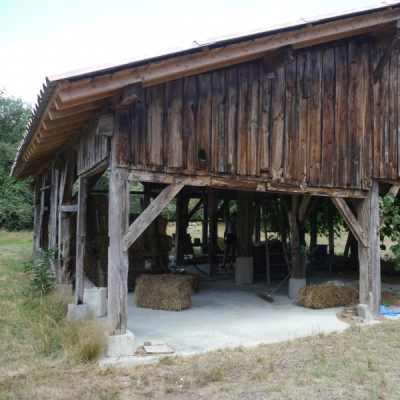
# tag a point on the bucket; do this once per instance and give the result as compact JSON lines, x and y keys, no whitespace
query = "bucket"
{"x":96,"y":299}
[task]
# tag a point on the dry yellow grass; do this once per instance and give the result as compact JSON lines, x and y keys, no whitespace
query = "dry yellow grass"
{"x":360,"y":363}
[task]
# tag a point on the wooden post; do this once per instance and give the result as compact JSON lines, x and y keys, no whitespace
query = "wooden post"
{"x":313,"y":233}
{"x":55,"y":174}
{"x":204,"y":228}
{"x":44,"y":211}
{"x":298,"y":253}
{"x":245,"y":223}
{"x":36,"y":221}
{"x":213,"y":230}
{"x":64,"y":224}
{"x":118,"y":259}
{"x":331,"y":234}
{"x":182,"y":203}
{"x":369,"y":256}
{"x":80,"y":240}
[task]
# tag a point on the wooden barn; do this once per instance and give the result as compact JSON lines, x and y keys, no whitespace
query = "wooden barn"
{"x":303,"y":111}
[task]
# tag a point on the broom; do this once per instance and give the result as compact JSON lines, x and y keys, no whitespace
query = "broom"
{"x":267,"y":297}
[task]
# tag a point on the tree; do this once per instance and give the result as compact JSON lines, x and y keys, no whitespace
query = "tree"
{"x":16,"y":208}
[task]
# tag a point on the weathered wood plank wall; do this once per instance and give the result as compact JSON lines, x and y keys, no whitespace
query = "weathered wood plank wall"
{"x":92,"y":149}
{"x":320,"y":122}
{"x":386,"y":119}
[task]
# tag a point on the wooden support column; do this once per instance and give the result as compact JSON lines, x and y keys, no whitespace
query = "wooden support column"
{"x":36,"y":221}
{"x":44,"y":211}
{"x":204,"y":228}
{"x":80,"y":240}
{"x":55,"y":175}
{"x":297,"y":241}
{"x":64,"y":225}
{"x":182,"y":203}
{"x":313,"y":233}
{"x":213,"y":230}
{"x":118,"y":259}
{"x":369,"y":254}
{"x":244,"y":223}
{"x":331,"y":234}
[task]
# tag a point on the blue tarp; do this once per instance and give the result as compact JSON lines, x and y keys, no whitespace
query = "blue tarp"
{"x":385,"y":311}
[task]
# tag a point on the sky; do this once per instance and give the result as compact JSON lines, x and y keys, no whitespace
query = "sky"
{"x":40,"y":38}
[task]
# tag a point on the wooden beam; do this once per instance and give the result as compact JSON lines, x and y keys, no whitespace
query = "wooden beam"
{"x":385,"y":58}
{"x":53,"y":113}
{"x":60,"y":105}
{"x":186,"y":65}
{"x":195,"y":208}
{"x":128,"y":95}
{"x":239,"y":184}
{"x":150,"y":213}
{"x":350,"y":219}
{"x":57,"y":138}
{"x":305,"y":201}
{"x":69,"y":208}
{"x":60,"y":129}
{"x":382,"y":39}
{"x":313,"y":203}
{"x":50,"y":124}
{"x":278,"y":58}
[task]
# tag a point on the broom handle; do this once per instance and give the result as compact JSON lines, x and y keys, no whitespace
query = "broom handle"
{"x":287,"y":276}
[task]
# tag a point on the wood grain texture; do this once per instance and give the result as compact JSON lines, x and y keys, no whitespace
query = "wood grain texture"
{"x":319,"y":122}
{"x":150,"y":213}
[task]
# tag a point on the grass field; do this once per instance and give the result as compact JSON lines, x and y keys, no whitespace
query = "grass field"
{"x":39,"y":359}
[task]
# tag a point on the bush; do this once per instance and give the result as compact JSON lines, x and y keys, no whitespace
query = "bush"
{"x":39,"y":267}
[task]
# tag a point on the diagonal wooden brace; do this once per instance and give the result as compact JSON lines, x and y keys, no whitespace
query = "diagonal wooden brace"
{"x":351,"y":220}
{"x":150,"y":213}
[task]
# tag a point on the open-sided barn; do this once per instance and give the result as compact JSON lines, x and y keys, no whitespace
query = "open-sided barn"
{"x":303,"y":111}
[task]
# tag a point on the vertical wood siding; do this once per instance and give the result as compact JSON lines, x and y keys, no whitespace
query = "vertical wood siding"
{"x":386,"y":119}
{"x":320,"y":122}
{"x":92,"y":149}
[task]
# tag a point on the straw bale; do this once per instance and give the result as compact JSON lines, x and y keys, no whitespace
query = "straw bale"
{"x":163,"y":303}
{"x":392,"y":298}
{"x":327,"y":295}
{"x":164,"y":292}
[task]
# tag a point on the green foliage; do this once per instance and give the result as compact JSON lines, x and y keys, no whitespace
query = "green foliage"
{"x":16,"y":209}
{"x":390,"y":206}
{"x":43,"y":280}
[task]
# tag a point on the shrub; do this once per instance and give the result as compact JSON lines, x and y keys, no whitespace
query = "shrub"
{"x":39,"y":267}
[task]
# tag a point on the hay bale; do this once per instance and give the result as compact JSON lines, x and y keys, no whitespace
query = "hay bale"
{"x":392,"y":298}
{"x":163,"y":303}
{"x":164,"y":292}
{"x":327,"y":295}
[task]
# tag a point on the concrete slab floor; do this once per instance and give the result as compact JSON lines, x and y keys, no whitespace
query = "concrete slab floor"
{"x":225,"y":314}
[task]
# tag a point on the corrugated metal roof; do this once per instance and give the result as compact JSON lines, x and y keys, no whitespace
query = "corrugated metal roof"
{"x":68,"y":90}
